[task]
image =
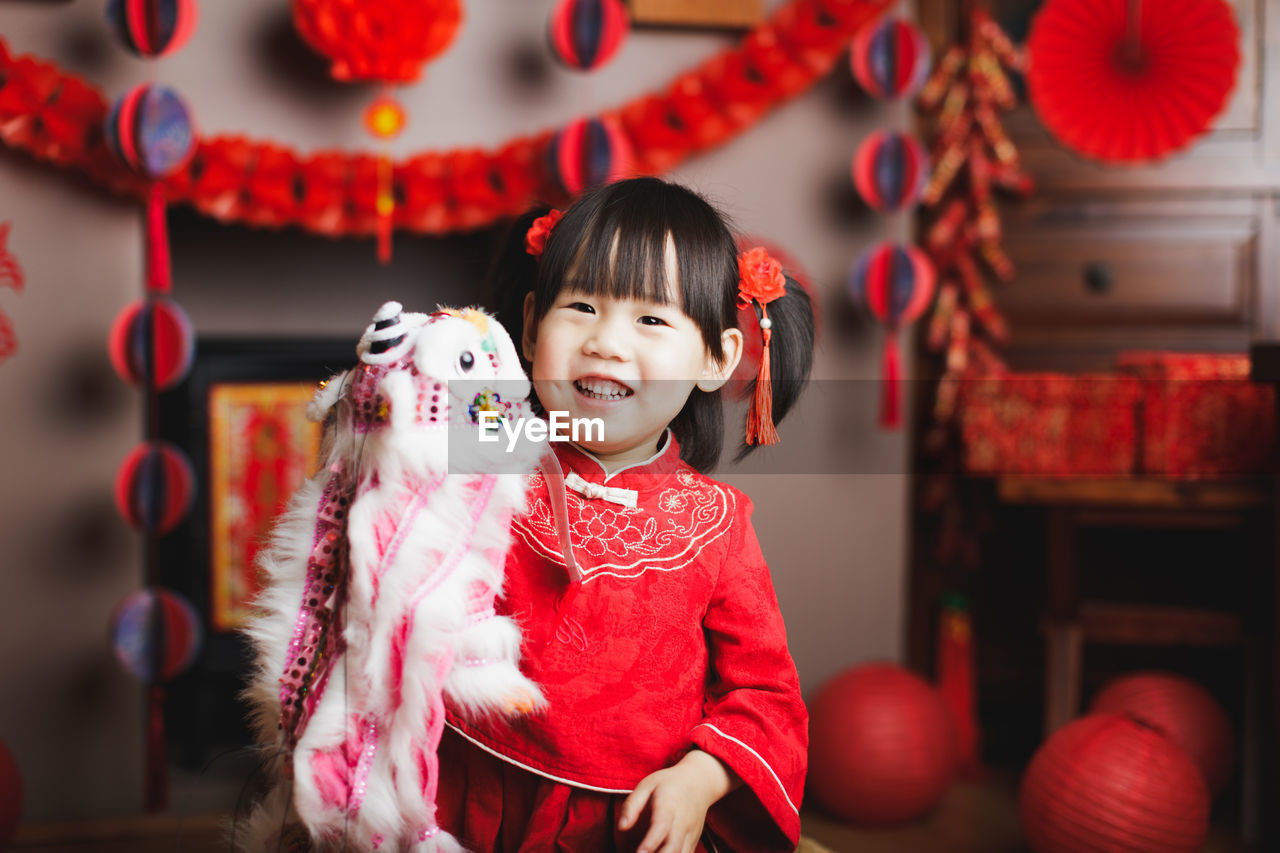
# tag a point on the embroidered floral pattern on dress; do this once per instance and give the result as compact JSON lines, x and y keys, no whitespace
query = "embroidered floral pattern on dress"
{"x":625,"y":543}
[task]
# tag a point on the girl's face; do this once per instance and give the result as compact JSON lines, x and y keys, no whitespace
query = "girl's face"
{"x":630,"y":363}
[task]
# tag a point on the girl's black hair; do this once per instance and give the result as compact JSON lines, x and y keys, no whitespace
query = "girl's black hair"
{"x":639,"y":213}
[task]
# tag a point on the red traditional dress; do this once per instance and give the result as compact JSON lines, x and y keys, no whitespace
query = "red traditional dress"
{"x":672,"y":640}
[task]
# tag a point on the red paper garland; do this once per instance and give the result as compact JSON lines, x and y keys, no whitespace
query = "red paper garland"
{"x":57,"y":117}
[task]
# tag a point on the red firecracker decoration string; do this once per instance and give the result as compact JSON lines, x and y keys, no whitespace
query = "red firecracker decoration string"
{"x":972,"y":158}
{"x":54,"y":116}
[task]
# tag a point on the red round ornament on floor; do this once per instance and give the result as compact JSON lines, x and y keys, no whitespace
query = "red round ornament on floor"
{"x":1184,"y":711}
{"x":1111,"y":782}
{"x":1124,"y":88}
{"x":10,"y":796}
{"x":881,"y":745}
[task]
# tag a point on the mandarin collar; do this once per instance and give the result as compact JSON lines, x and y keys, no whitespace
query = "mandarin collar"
{"x":635,"y":476}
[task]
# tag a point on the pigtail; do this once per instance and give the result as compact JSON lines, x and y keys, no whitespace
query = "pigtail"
{"x":512,"y":275}
{"x":791,"y":345}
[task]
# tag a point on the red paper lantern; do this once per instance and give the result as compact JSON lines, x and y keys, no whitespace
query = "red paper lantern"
{"x":1184,"y":711}
{"x":585,"y":34}
{"x":895,"y":285}
{"x":150,"y":130}
{"x":151,"y":343}
{"x":890,"y":58}
{"x":881,"y":747}
{"x":155,"y":487}
{"x":152,"y":28}
{"x":890,"y":170}
{"x":1131,"y":89}
{"x":155,"y":634}
{"x":586,"y":153}
{"x":387,"y":40}
{"x":1110,"y":782}
{"x":10,"y":796}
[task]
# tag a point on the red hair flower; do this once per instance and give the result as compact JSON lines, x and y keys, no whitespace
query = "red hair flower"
{"x":535,"y":242}
{"x":761,"y":277}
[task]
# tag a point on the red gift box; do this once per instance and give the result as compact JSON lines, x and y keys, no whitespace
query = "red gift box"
{"x":1201,"y":416}
{"x":1047,"y":424}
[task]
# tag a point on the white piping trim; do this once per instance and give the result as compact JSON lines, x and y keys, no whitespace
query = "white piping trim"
{"x":535,"y":770}
{"x":758,"y":758}
{"x":662,"y":448}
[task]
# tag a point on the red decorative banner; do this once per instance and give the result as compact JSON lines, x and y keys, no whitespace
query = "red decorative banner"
{"x":57,"y":117}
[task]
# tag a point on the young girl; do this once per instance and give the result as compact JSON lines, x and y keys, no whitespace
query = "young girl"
{"x":673,"y":716}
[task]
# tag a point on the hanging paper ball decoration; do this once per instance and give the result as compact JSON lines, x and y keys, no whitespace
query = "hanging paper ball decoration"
{"x":154,"y":487}
{"x":881,"y":747}
{"x":10,"y":796}
{"x":155,"y":633}
{"x":1131,"y":91}
{"x":149,"y":129}
{"x":1181,"y":709}
{"x":151,"y":343}
{"x":890,"y":58}
{"x":895,"y":285}
{"x":586,"y":153}
{"x":1109,"y":782}
{"x":890,"y":170}
{"x":152,"y":28}
{"x":585,"y":34}
{"x":387,"y":40}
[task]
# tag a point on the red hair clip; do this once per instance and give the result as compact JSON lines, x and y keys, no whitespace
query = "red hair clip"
{"x":535,"y":241}
{"x":761,"y":281}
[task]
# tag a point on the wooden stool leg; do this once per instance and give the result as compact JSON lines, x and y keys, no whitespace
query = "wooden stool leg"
{"x":1064,"y":651}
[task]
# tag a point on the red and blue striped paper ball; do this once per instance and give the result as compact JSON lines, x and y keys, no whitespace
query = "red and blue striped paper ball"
{"x":890,"y":170}
{"x":149,"y":129}
{"x":894,"y":283}
{"x":152,"y":28}
{"x":890,"y":58}
{"x":587,"y":153}
{"x":154,"y":487}
{"x":585,"y":34}
{"x":155,"y":634}
{"x":151,"y":343}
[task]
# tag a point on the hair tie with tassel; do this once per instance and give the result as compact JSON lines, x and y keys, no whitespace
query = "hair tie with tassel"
{"x":535,"y":241}
{"x":761,"y":281}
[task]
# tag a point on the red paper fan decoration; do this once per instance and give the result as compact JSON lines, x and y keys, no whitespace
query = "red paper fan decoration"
{"x":387,"y":40}
{"x":1123,"y":81}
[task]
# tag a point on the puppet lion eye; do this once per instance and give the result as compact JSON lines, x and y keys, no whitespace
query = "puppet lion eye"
{"x":466,"y":361}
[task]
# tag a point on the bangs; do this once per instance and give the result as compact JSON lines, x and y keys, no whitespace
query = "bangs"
{"x":612,"y":242}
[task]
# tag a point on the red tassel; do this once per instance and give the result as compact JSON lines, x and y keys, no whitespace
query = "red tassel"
{"x":156,"y":781}
{"x":890,"y":404}
{"x":159,"y":279}
{"x":386,"y":204}
{"x":760,"y":428}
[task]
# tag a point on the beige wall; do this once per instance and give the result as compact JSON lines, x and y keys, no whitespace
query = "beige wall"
{"x":835,"y":542}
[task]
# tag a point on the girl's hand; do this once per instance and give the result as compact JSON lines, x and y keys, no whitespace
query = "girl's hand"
{"x":678,"y":799}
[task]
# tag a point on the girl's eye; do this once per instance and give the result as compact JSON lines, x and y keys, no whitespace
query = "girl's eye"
{"x":581,"y":306}
{"x":650,"y":320}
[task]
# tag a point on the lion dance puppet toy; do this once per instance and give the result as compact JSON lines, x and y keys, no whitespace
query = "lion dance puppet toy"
{"x":379,"y":584}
